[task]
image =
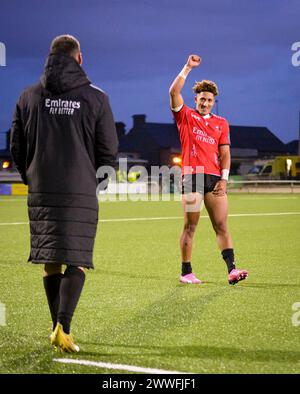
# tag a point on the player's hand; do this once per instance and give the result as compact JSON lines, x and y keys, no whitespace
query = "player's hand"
{"x":220,"y":188}
{"x":193,"y":61}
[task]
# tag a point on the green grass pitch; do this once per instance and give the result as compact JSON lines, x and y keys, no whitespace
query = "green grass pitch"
{"x":134,"y":311}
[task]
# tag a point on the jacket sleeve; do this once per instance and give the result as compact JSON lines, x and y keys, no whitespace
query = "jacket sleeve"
{"x":18,"y":143}
{"x":106,"y":140}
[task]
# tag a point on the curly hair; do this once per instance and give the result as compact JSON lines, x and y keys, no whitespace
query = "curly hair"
{"x":206,"y":86}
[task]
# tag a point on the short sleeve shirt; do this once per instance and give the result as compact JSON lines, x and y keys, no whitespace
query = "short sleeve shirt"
{"x":200,"y":138}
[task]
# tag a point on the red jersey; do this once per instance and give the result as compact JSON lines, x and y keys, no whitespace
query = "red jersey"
{"x":200,"y":138}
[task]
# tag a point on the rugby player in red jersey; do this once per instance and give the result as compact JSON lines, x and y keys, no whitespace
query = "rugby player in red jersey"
{"x":205,"y":168}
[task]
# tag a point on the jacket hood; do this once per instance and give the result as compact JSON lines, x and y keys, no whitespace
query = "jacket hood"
{"x":62,"y":73}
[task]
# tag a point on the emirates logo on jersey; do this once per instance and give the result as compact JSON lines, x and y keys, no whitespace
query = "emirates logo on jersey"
{"x":202,"y":136}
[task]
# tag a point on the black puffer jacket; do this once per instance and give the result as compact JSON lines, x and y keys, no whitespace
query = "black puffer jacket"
{"x":63,"y":130}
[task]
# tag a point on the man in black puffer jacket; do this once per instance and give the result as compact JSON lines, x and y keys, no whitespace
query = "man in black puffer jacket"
{"x":63,"y":131}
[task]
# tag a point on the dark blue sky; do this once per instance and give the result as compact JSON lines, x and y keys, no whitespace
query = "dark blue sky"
{"x":133,"y":49}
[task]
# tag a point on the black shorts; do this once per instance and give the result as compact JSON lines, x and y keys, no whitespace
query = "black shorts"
{"x":201,"y":183}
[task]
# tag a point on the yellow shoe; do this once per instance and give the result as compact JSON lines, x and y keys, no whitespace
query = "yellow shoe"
{"x":63,"y":341}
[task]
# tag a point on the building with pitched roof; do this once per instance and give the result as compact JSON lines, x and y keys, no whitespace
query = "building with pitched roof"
{"x":159,"y":143}
{"x":149,"y":143}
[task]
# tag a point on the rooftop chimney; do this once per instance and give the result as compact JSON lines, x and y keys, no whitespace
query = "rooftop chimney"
{"x":120,"y":126}
{"x":139,"y":120}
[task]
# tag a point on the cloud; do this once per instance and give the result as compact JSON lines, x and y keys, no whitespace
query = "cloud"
{"x":134,"y":49}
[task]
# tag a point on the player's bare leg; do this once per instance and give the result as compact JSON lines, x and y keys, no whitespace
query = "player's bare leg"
{"x":217,"y":208}
{"x":191,"y":204}
{"x":52,"y":269}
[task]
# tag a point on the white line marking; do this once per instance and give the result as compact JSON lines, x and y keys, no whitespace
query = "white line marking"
{"x":174,"y":217}
{"x":263,"y":214}
{"x":12,"y":224}
{"x":203,"y":217}
{"x":13,"y":199}
{"x":141,"y":219}
{"x":270,"y":198}
{"x":120,"y":367}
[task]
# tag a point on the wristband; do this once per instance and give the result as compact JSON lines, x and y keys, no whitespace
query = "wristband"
{"x":225,"y":174}
{"x":184,"y":72}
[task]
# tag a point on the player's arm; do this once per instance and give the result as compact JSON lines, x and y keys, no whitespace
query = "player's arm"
{"x":18,"y":143}
{"x":225,"y":161}
{"x":176,"y":99}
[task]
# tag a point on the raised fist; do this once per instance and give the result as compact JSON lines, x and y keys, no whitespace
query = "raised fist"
{"x":193,"y":61}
